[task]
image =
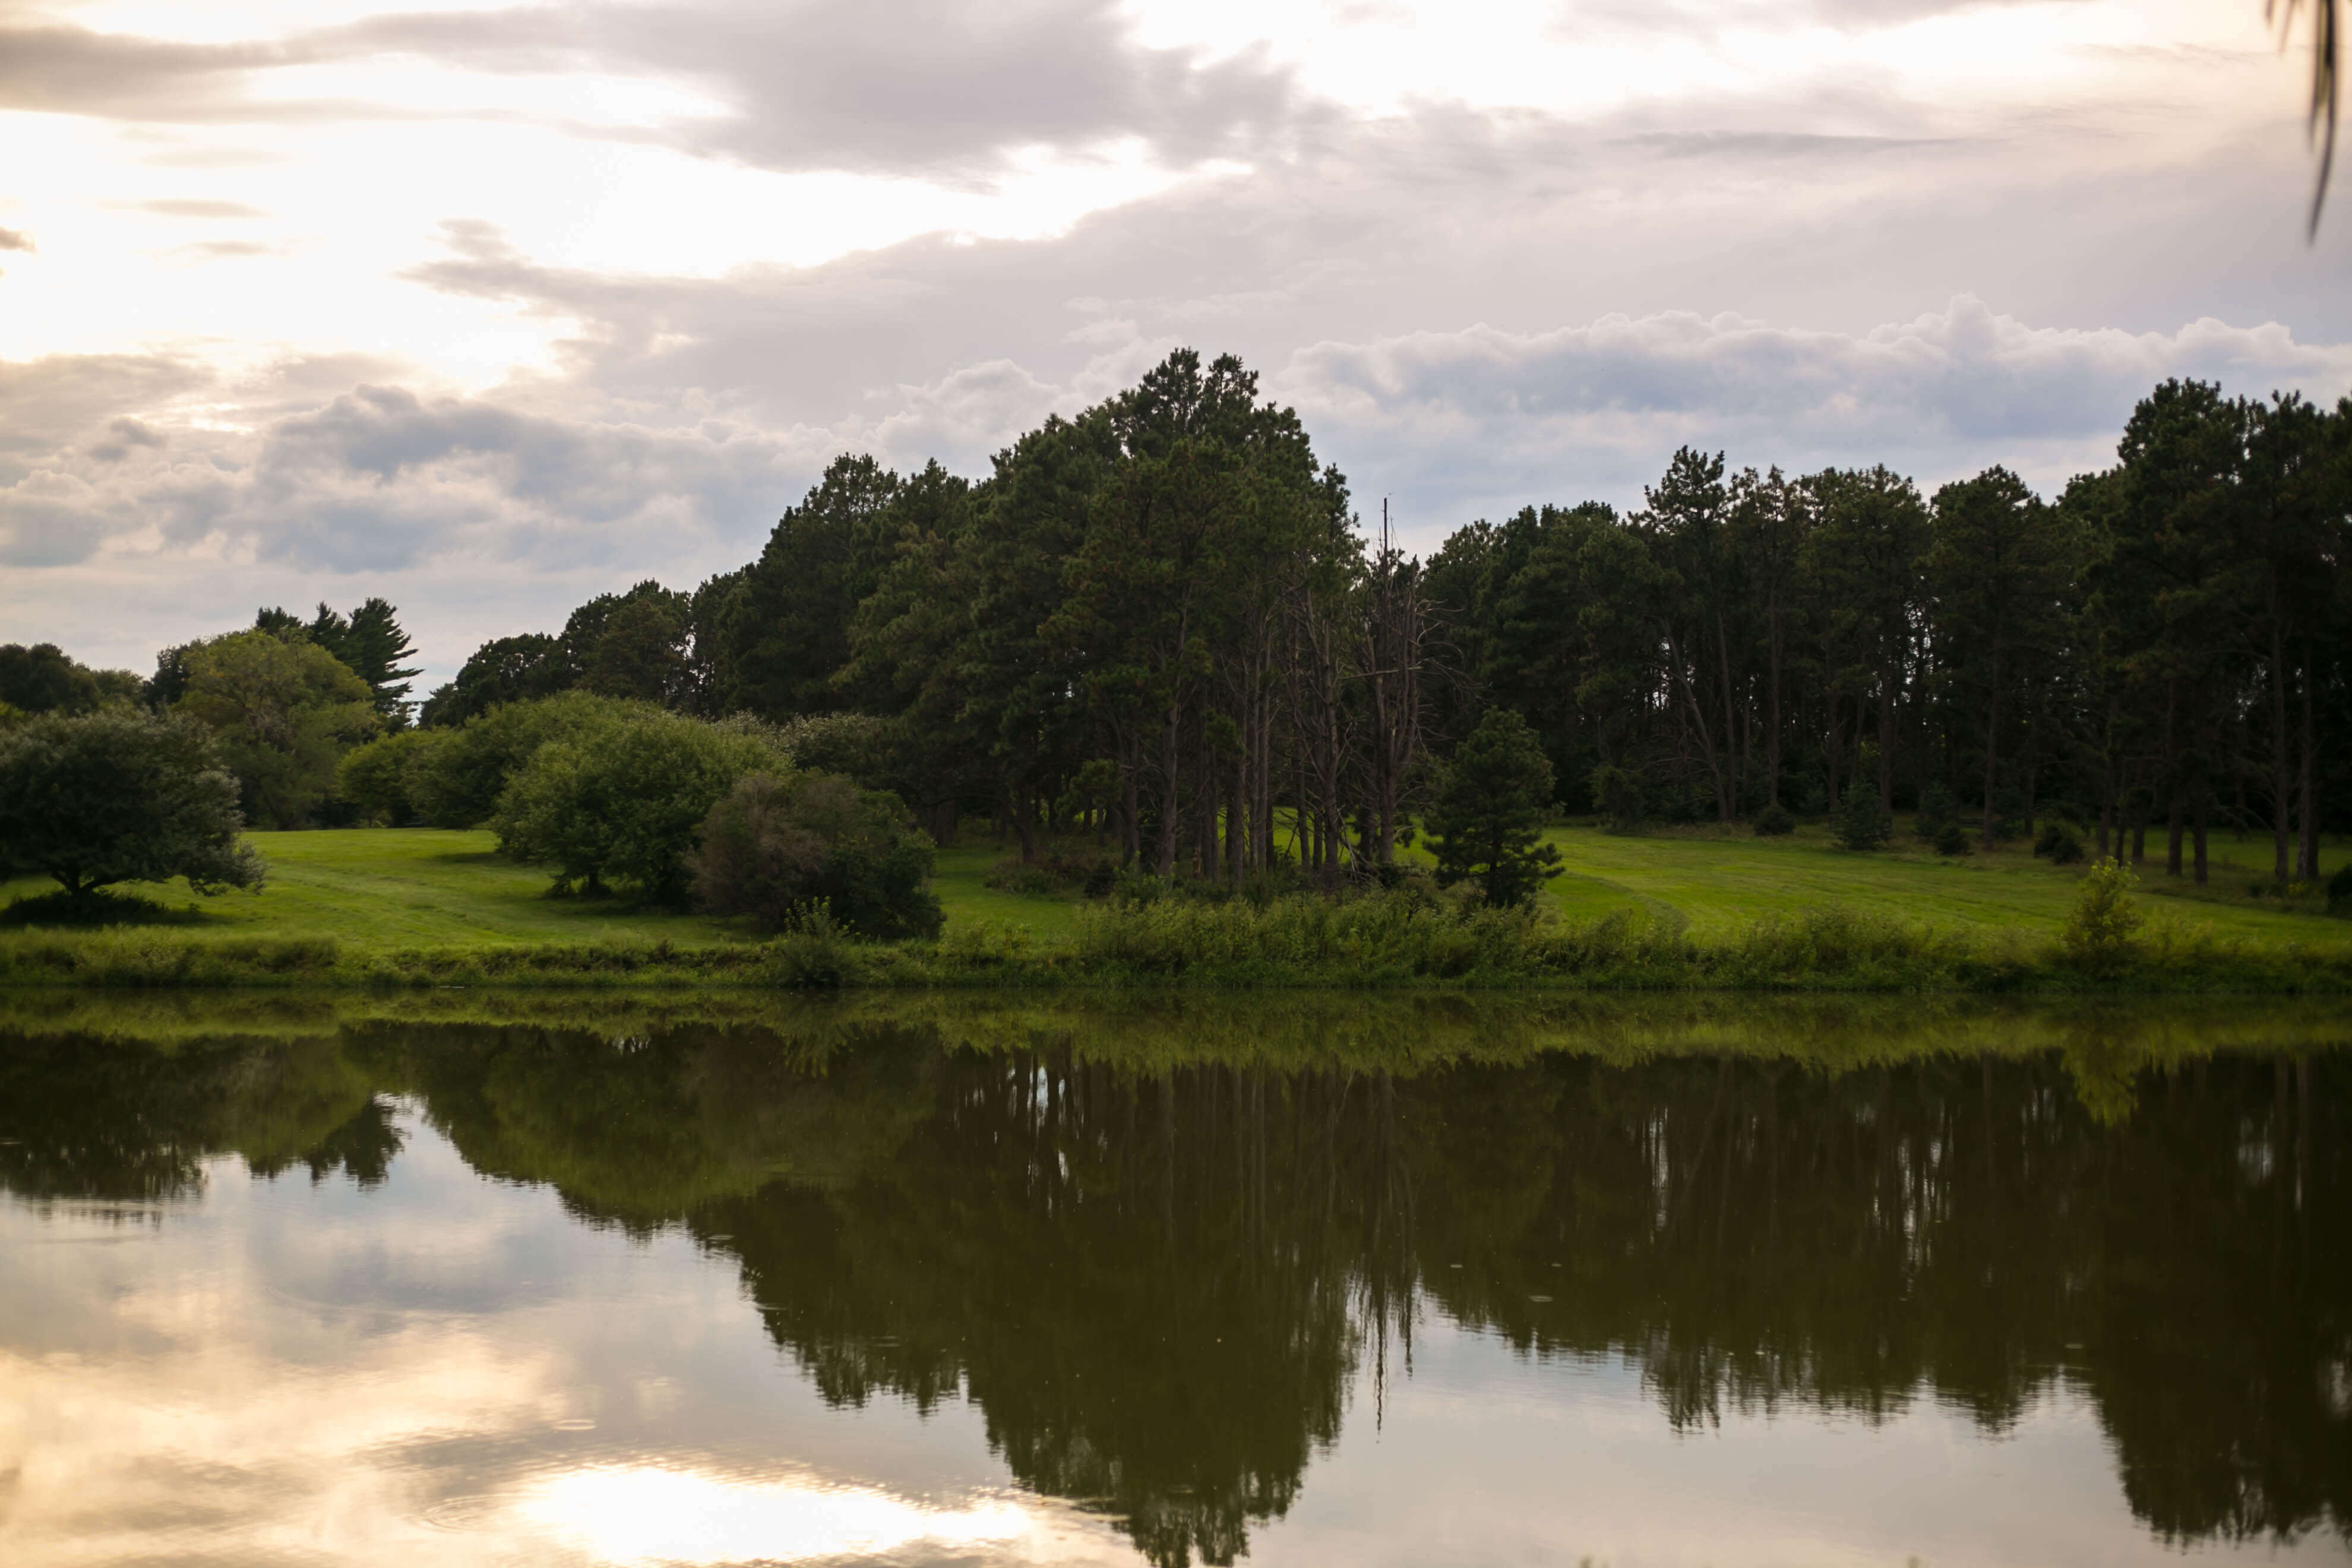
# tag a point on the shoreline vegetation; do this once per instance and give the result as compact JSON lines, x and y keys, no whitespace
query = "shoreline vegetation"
{"x":346,"y":913}
{"x":1295,"y":944}
{"x":1397,"y":1032}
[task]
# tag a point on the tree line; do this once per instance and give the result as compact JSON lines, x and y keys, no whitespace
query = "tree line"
{"x":2163,"y":646}
{"x":1156,"y":620}
{"x":1162,"y":620}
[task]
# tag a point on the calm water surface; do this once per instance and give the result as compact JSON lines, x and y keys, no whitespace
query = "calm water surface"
{"x":1319,"y":1281}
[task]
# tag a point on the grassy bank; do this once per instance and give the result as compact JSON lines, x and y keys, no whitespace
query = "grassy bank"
{"x":1382,"y":941}
{"x":1402,"y":1032}
{"x":1695,"y":909}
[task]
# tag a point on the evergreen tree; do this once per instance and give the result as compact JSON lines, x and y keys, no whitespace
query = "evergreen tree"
{"x":1998,"y":571}
{"x":1486,"y":822}
{"x":785,"y":630}
{"x":369,"y":642}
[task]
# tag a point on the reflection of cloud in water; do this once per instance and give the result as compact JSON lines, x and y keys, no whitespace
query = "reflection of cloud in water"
{"x":647,"y":1514}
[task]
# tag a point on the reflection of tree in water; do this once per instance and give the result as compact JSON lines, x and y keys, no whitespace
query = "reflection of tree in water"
{"x":86,"y":1117}
{"x":1158,"y":1285}
{"x":1146,"y":1286}
{"x":1157,"y":1289}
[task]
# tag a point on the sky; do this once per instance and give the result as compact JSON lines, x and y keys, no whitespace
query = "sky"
{"x":489,"y":309}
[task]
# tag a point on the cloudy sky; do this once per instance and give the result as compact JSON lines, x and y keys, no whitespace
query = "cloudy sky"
{"x":489,"y":308}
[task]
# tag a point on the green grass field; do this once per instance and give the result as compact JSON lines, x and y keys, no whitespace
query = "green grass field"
{"x":379,"y":887}
{"x":1721,"y":878}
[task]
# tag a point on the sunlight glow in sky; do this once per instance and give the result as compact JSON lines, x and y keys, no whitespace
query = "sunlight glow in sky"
{"x":483,"y":305}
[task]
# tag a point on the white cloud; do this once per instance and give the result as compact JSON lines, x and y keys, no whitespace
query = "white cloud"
{"x":1596,"y":409}
{"x":487,"y":307}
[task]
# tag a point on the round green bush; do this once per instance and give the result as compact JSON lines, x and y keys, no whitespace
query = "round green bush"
{"x":1774,"y":821}
{"x":780,"y":849}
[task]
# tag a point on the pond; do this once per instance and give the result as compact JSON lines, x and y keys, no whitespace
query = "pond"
{"x":473,"y":1280}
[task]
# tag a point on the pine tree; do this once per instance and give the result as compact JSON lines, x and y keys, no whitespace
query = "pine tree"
{"x":1486,"y":820}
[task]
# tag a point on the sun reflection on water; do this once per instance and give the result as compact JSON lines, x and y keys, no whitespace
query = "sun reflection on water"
{"x":648,"y":1514}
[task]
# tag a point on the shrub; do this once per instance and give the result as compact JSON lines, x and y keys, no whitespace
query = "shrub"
{"x":777,"y":846}
{"x":1100,"y":880}
{"x":1953,"y":839}
{"x":1860,"y":825}
{"x":2060,"y":842}
{"x":2102,"y":933}
{"x":1937,"y":811}
{"x":2339,"y":891}
{"x":122,"y":795}
{"x":626,"y":798}
{"x":375,"y":779}
{"x":1774,"y":822}
{"x":460,"y":783}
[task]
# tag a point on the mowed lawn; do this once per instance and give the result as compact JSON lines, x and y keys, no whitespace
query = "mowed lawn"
{"x":430,"y":887}
{"x":1722,"y":878}
{"x":422,"y":887}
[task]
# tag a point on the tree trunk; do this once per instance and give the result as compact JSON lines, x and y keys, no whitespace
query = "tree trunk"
{"x":2109,"y":814}
{"x":1992,"y":741}
{"x":2172,"y":778}
{"x":1163,"y":861}
{"x":2309,"y":870}
{"x":1886,"y":694}
{"x":1130,"y":827}
{"x":2031,"y":764}
{"x":1832,"y":754}
{"x":2204,"y":805}
{"x":2174,"y":825}
{"x":2281,"y":775}
{"x":1698,"y":711}
{"x":1726,"y":807}
{"x":1237,"y":833}
{"x":1772,"y":701}
{"x":1020,"y":805}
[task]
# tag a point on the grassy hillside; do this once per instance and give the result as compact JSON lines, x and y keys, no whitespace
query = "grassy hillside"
{"x":1722,"y":878}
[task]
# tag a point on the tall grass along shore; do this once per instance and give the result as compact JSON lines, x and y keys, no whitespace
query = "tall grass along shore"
{"x":1377,"y":940}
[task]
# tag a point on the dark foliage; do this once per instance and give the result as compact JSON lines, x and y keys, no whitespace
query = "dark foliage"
{"x":120,"y":796}
{"x":1860,"y":824}
{"x":42,"y":679}
{"x":2060,"y":843}
{"x":1487,"y":819}
{"x":783,"y":848}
